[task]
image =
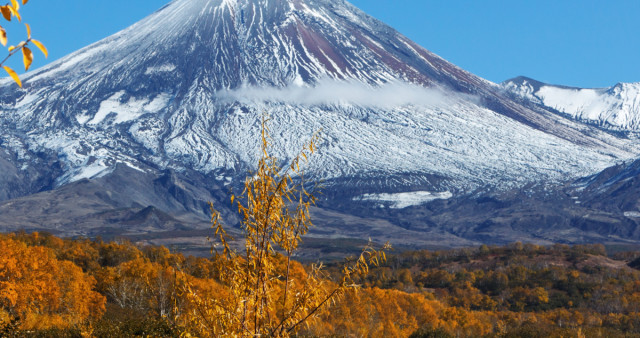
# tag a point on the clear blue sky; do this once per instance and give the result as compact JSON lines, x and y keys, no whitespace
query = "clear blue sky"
{"x":586,"y":43}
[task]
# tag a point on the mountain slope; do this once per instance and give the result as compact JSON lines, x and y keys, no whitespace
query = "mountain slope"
{"x":125,"y":201}
{"x":186,"y":88}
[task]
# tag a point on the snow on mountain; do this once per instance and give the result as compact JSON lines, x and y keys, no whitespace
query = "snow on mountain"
{"x":617,"y":107}
{"x":185,"y":89}
{"x":406,"y":199}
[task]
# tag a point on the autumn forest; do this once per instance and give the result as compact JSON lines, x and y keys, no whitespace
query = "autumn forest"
{"x":71,"y":288}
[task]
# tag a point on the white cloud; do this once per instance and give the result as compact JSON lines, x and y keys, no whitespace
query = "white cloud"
{"x":332,"y":92}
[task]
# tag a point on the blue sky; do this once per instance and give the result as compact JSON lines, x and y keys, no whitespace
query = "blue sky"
{"x":586,"y":43}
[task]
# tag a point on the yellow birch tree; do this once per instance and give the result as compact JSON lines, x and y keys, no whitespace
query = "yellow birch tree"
{"x":268,"y":294}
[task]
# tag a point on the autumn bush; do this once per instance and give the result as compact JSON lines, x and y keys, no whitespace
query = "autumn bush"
{"x":374,"y":312}
{"x":268,"y":294}
{"x":39,"y":291}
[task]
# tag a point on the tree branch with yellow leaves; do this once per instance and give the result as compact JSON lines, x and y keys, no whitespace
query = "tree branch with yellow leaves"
{"x":9,"y":11}
{"x":269,"y":293}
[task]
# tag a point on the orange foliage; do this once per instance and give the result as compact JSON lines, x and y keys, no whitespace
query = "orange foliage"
{"x":375,"y":312}
{"x":40,"y":291}
{"x":42,"y":286}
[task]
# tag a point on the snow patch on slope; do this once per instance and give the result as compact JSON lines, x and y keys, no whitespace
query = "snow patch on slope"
{"x":94,"y":170}
{"x":129,"y":110}
{"x":632,"y":214}
{"x":406,"y":199}
{"x":160,"y":69}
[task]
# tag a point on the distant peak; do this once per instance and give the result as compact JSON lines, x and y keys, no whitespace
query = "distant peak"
{"x":521,"y":80}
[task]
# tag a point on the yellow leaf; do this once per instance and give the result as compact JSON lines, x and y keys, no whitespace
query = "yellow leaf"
{"x":15,"y":4}
{"x":3,"y":36}
{"x":41,"y":47}
{"x":24,"y":2}
{"x":11,"y":48}
{"x":13,"y":75}
{"x":14,"y":12}
{"x":27,"y":57}
{"x":28,"y":31}
{"x":6,"y":12}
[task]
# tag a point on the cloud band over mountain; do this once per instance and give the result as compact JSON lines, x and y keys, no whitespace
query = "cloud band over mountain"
{"x":332,"y":92}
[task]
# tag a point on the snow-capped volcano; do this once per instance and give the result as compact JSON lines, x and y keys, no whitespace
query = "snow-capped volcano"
{"x":616,"y":108}
{"x":186,"y":88}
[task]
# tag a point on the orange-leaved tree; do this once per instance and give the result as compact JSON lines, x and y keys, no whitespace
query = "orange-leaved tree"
{"x":270,"y":294}
{"x":39,"y":291}
{"x":9,"y":11}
